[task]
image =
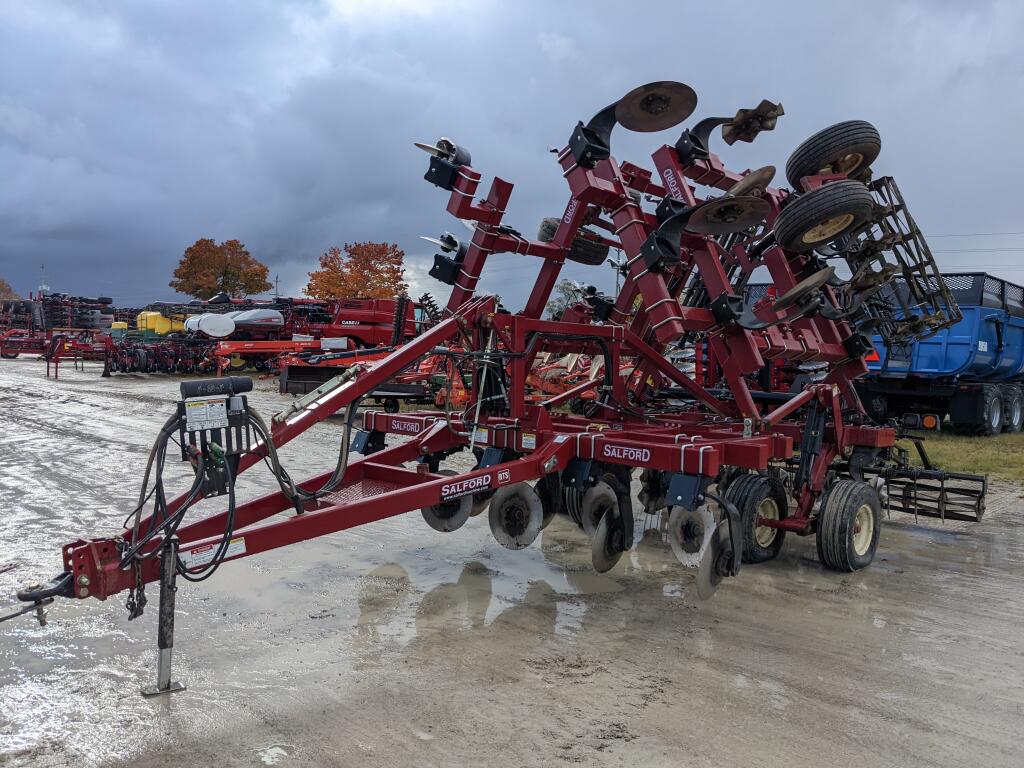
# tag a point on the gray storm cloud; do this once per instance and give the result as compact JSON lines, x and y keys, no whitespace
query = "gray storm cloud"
{"x":128,"y":130}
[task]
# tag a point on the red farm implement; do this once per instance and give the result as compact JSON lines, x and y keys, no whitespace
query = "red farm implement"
{"x":733,"y":467}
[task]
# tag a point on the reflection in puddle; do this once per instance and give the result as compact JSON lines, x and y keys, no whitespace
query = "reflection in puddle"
{"x":543,"y":587}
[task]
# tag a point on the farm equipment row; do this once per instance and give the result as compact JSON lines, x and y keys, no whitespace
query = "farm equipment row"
{"x":190,"y":338}
{"x":733,"y":468}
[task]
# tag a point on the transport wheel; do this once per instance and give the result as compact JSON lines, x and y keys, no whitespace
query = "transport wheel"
{"x":391,"y":405}
{"x":450,"y":515}
{"x":822,"y":215}
{"x":1013,"y":409}
{"x":759,"y":496}
{"x":991,"y":411}
{"x":848,"y":147}
{"x":515,"y":516}
{"x":877,"y":407}
{"x":849,"y":523}
{"x":9,"y":355}
{"x":583,"y":251}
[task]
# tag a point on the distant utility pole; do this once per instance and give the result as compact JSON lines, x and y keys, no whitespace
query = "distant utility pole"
{"x":277,"y":281}
{"x":616,"y":264}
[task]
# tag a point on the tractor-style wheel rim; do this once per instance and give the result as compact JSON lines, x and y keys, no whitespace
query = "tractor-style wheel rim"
{"x":763,"y":534}
{"x":1015,"y":413}
{"x":863,"y":529}
{"x":846,"y":164}
{"x":994,"y":416}
{"x":828,"y":229}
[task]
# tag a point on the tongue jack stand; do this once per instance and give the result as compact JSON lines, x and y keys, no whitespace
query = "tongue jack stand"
{"x":165,"y":625}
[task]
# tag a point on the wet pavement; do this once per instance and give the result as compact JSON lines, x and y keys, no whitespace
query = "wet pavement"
{"x":395,"y":645}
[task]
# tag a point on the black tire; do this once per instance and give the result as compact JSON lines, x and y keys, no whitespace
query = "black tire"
{"x":991,"y":411}
{"x":583,"y":251}
{"x":822,"y":215}
{"x":752,"y":494}
{"x":849,"y":147}
{"x":877,"y":407}
{"x":391,"y":405}
{"x":1013,"y":408}
{"x":9,"y":355}
{"x":845,"y":505}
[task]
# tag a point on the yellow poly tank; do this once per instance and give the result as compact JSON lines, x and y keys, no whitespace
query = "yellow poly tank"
{"x":158,"y":324}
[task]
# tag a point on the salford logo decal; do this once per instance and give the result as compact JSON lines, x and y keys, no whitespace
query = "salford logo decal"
{"x":465,"y":487}
{"x":626,"y":454}
{"x":405,"y":426}
{"x":672,"y":183}
{"x":570,"y":210}
{"x":504,"y":475}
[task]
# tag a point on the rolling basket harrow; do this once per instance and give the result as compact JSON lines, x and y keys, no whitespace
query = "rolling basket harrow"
{"x":733,"y":468}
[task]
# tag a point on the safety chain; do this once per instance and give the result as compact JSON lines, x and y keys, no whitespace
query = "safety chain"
{"x":136,"y":602}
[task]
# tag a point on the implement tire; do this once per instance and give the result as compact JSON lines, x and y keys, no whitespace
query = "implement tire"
{"x":822,"y":215}
{"x":849,"y":523}
{"x":583,"y":251}
{"x":759,"y":495}
{"x":848,"y":147}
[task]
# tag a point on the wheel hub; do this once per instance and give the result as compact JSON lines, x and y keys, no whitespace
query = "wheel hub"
{"x":863,"y":529}
{"x":692,"y":536}
{"x":846,"y":164}
{"x":764,"y":535}
{"x":828,"y":229}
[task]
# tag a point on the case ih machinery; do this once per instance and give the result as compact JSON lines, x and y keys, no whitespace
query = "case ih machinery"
{"x":732,"y":470}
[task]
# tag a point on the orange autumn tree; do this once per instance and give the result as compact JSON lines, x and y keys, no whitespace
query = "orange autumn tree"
{"x":208,"y":268}
{"x":6,"y":292}
{"x":362,"y":271}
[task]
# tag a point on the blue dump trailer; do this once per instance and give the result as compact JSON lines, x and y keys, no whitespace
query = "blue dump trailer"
{"x":971,"y":372}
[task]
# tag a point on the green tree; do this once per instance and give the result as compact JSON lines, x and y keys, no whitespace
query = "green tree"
{"x":565,"y":293}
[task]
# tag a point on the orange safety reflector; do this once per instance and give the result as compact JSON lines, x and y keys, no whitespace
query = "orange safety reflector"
{"x":930,"y":422}
{"x":872,"y":356}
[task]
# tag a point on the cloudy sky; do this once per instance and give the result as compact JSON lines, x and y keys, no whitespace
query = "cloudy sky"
{"x":130,"y":129}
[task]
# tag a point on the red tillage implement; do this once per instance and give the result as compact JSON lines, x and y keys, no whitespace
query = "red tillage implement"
{"x":692,"y":232}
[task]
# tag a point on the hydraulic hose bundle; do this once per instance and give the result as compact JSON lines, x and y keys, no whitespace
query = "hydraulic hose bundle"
{"x":214,"y":433}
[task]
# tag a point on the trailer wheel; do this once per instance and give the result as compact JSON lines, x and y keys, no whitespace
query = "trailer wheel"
{"x":991,"y":411}
{"x":849,"y":523}
{"x":823,"y":214}
{"x":391,"y":405}
{"x":759,"y":496}
{"x":9,"y":355}
{"x":848,"y":147}
{"x":582,"y":251}
{"x":877,"y":407}
{"x":1013,"y":409}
